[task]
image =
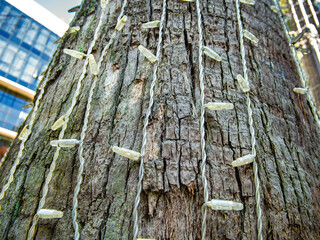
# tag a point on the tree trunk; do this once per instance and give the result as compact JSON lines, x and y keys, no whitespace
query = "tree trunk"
{"x":170,"y":208}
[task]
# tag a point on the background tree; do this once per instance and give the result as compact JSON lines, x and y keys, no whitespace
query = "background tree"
{"x":172,"y":195}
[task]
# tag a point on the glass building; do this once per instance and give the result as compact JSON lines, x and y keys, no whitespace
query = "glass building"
{"x":27,"y":42}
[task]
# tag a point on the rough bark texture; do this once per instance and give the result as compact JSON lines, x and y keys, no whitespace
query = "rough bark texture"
{"x":287,"y":137}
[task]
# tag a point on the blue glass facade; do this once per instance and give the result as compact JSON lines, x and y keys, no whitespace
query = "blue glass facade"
{"x":26,"y":48}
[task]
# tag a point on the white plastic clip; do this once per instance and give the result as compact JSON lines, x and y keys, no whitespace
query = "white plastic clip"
{"x":243,"y":160}
{"x":300,"y":90}
{"x":69,"y":143}
{"x":219,"y":106}
{"x":74,"y":29}
{"x":275,"y":9}
{"x":250,"y":2}
{"x":23,"y":132}
{"x":57,"y":124}
{"x":93,"y":65}
{"x":49,"y":213}
{"x":121,"y":23}
{"x":216,"y":204}
{"x":74,"y":53}
{"x":212,"y":54}
{"x":103,"y":4}
{"x":243,"y":84}
{"x":152,"y":24}
{"x":126,"y":153}
{"x":149,"y":55}
{"x":250,"y":36}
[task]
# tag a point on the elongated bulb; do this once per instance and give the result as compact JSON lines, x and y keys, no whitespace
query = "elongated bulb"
{"x":74,"y":29}
{"x":23,"y":132}
{"x":74,"y":53}
{"x":300,"y":90}
{"x":250,"y":36}
{"x":149,"y":55}
{"x":243,"y":84}
{"x":243,"y":160}
{"x":121,"y":23}
{"x":187,"y":0}
{"x":103,"y":4}
{"x":274,"y":9}
{"x":127,"y":153}
{"x":27,"y":106}
{"x":152,"y":24}
{"x":212,"y":54}
{"x":146,"y":239}
{"x":93,"y":65}
{"x":219,"y":106}
{"x":65,"y":143}
{"x":49,"y":213}
{"x":217,"y":204}
{"x":59,"y":123}
{"x":250,"y":2}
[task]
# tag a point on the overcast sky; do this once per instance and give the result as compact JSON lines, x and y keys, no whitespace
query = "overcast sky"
{"x":60,"y":8}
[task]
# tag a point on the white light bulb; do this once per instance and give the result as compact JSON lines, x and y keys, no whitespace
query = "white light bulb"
{"x":219,"y":106}
{"x":152,"y":24}
{"x":121,"y":23}
{"x":212,"y":54}
{"x":243,"y":160}
{"x":126,"y":153}
{"x":74,"y":29}
{"x":250,"y":36}
{"x":103,"y":4}
{"x":152,"y":58}
{"x":250,"y":2}
{"x":217,"y":204}
{"x":93,"y":65}
{"x":300,"y":90}
{"x":74,"y":53}
{"x":49,"y":213}
{"x":65,"y":143}
{"x":23,"y":133}
{"x":59,"y":123}
{"x":243,"y":84}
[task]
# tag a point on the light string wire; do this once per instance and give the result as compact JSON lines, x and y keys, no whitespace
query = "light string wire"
{"x":23,"y":141}
{"x":84,"y":130}
{"x":301,"y":72}
{"x":64,"y":127}
{"x":251,"y":127}
{"x":202,"y":128}
{"x":146,"y":122}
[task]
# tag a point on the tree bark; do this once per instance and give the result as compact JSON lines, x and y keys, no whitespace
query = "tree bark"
{"x":287,"y":136}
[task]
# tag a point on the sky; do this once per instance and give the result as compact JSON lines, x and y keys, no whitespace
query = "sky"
{"x":60,"y":8}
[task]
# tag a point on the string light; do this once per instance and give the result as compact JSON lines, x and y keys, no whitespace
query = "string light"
{"x":250,"y":2}
{"x":84,"y":130}
{"x":250,"y":36}
{"x":49,"y":214}
{"x":93,"y":65}
{"x":146,"y":122}
{"x":121,"y":23}
{"x":243,"y":84}
{"x":300,"y":90}
{"x":64,"y":127}
{"x":23,"y":133}
{"x":212,"y":54}
{"x":217,"y":204}
{"x":27,"y":106}
{"x":251,"y":127}
{"x":187,"y":0}
{"x":219,"y":106}
{"x":275,"y":9}
{"x":68,"y":143}
{"x":59,"y":123}
{"x":243,"y":160}
{"x":149,"y":55}
{"x":152,"y":24}
{"x":126,"y":153}
{"x":74,"y":53}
